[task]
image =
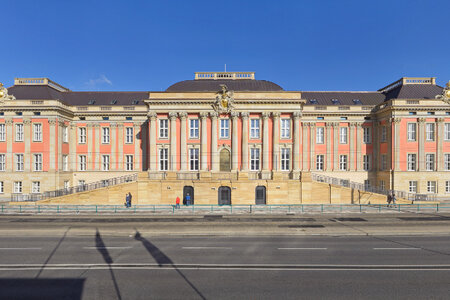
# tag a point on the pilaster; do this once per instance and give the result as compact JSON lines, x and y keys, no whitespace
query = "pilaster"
{"x":266,"y":152}
{"x":244,"y":116}
{"x":276,"y":141}
{"x":234,"y":141}
{"x":173,"y":140}
{"x":152,"y":156}
{"x":214,"y":157}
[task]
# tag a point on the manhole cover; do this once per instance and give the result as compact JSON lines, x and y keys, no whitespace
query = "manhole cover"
{"x":351,"y":219}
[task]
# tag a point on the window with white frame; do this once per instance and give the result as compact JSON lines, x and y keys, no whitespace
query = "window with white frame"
{"x":82,"y":162}
{"x":193,"y":159}
{"x":382,"y":185}
{"x":2,"y":162}
{"x":66,"y":184}
{"x":129,"y":135}
{"x":254,"y":159}
{"x":429,"y":131}
{"x":2,"y":187}
{"x":2,"y":132}
{"x":319,"y":162}
{"x":285,"y":128}
{"x":37,"y":162}
{"x":36,"y":187}
{"x":163,"y":159}
{"x":343,"y":135}
{"x":224,"y":128}
{"x":37,"y":132}
{"x":431,"y":187}
{"x":411,"y":162}
{"x":18,"y":187}
{"x":82,"y":135}
{"x":19,"y":132}
{"x":65,"y":163}
{"x":285,"y":159}
{"x":383,"y":133}
{"x":81,"y":182}
{"x":366,"y":162}
{"x":447,"y":162}
{"x":412,"y":132}
{"x":163,"y":128}
{"x":367,"y":137}
{"x":105,"y":162}
{"x":193,"y":128}
{"x":65,"y":134}
{"x":367,"y":184}
{"x":383,"y":162}
{"x":19,"y":162}
{"x":412,"y":186}
{"x":343,"y":162}
{"x":129,"y":162}
{"x":447,"y":131}
{"x":447,"y":186}
{"x":429,"y":162}
{"x":105,"y":135}
{"x":320,"y":135}
{"x":254,"y":128}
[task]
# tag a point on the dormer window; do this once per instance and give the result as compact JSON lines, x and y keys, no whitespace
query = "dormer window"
{"x":91,"y":102}
{"x":335,"y":101}
{"x":313,"y":101}
{"x":135,"y":102}
{"x":113,"y":101}
{"x":357,"y":101}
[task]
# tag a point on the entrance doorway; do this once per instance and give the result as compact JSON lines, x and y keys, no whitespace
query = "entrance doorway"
{"x":188,"y":190}
{"x":224,"y":195}
{"x":260,"y":195}
{"x":225,"y":158}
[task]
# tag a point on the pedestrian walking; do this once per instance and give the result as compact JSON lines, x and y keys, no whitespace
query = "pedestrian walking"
{"x":177,"y":202}
{"x":389,"y":199}
{"x":129,"y":199}
{"x":394,"y":200}
{"x":188,"y":199}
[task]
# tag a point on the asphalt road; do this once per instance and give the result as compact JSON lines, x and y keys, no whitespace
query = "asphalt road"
{"x":96,"y":264}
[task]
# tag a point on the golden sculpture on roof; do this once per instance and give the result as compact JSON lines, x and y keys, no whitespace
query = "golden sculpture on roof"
{"x":4,"y":94}
{"x":224,"y":100}
{"x":445,"y":96}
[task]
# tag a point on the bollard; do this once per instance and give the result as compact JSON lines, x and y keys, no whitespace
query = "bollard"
{"x":321,"y":207}
{"x":2,"y":207}
{"x":173,"y":209}
{"x":115,"y":209}
{"x":418,"y":207}
{"x":39,"y":208}
{"x":437,"y":207}
{"x":231,"y":208}
{"x":360,"y":208}
{"x":57,"y":209}
{"x":399,"y":207}
{"x":302,"y":207}
{"x":379,"y":207}
{"x":96,"y":209}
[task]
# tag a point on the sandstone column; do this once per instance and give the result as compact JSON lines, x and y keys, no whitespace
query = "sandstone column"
{"x":214,"y":158}
{"x":296,"y":139}
{"x":137,"y":145}
{"x":234,"y":141}
{"x":245,"y":116}
{"x":305,"y":126}
{"x":328,"y":127}
{"x":336,"y":145}
{"x":265,"y":116}
{"x":421,"y":139}
{"x":113,"y":141}
{"x":397,"y":144}
{"x":52,"y":124}
{"x":312,"y":133}
{"x":359,"y":141}
{"x":152,"y":156}
{"x":98,"y":162}
{"x":352,"y":153}
{"x":27,"y":158}
{"x":183,"y":142}
{"x":439,"y":145}
{"x":204,"y":140}
{"x":9,"y":139}
{"x":121,"y":166}
{"x":90,"y":152}
{"x":276,"y":141}
{"x":173,"y":140}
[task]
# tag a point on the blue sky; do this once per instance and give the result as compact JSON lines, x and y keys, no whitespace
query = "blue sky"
{"x":149,"y":45}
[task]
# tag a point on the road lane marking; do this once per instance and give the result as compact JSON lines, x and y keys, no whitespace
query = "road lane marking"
{"x":196,"y":248}
{"x":106,"y":248}
{"x":302,"y":248}
{"x":407,"y":248}
{"x":34,"y":248}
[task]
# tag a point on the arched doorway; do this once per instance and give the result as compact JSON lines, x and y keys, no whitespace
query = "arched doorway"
{"x":224,"y":195}
{"x":225,"y":158}
{"x":188,"y":190}
{"x":260,"y":195}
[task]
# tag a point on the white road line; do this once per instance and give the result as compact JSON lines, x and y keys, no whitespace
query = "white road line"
{"x":20,"y":248}
{"x":105,"y":248}
{"x":408,"y":248}
{"x":302,"y":248}
{"x":195,"y":248}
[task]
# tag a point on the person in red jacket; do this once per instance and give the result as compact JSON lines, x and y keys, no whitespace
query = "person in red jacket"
{"x":177,"y":202}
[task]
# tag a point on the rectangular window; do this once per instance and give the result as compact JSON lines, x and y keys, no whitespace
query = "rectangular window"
{"x":447,"y":131}
{"x":82,"y":135}
{"x":320,"y":135}
{"x":411,"y":132}
{"x":65,"y":162}
{"x":224,"y":128}
{"x":82,"y":162}
{"x":254,"y":159}
{"x":411,"y":162}
{"x":66,"y":184}
{"x":430,"y":162}
{"x":343,"y":135}
{"x":431,"y":187}
{"x":129,"y":162}
{"x":366,"y":162}
{"x":19,"y":162}
{"x":193,"y":128}
{"x":81,"y":182}
{"x":2,"y":187}
{"x":129,"y":135}
{"x":254,"y":128}
{"x":447,"y":162}
{"x":65,"y":134}
{"x":447,"y":186}
{"x":18,"y":187}
{"x":163,"y":159}
{"x":367,"y":135}
{"x":2,"y":162}
{"x":343,"y":162}
{"x":319,"y":162}
{"x":383,"y":162}
{"x":285,"y":159}
{"x":105,"y":135}
{"x":37,"y":132}
{"x":413,"y":186}
{"x":2,"y":132}
{"x":382,"y":185}
{"x":19,"y":132}
{"x":367,"y":184}
{"x":430,"y":131}
{"x":193,"y":159}
{"x":384,"y":134}
{"x":36,"y":187}
{"x":105,"y":162}
{"x":37,"y":162}
{"x":285,"y":128}
{"x":164,"y":128}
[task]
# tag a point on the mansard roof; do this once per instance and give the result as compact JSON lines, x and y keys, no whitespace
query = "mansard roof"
{"x":343,"y":98}
{"x":211,"y":85}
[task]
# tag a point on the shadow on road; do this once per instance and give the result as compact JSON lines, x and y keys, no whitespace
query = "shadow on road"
{"x":163,"y":260}
{"x":52,"y":253}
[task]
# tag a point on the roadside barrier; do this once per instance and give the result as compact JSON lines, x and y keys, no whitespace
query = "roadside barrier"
{"x":220,"y":209}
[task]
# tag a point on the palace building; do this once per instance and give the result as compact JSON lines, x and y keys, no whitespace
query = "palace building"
{"x":224,"y":138}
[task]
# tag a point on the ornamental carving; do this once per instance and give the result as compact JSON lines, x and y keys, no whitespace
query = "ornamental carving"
{"x":224,"y":100}
{"x":445,"y":96}
{"x":4,"y":94}
{"x":173,"y":115}
{"x":152,"y":115}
